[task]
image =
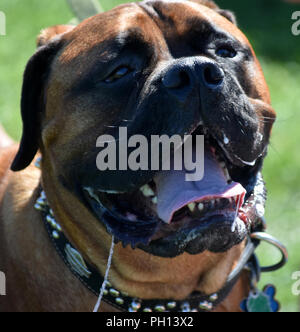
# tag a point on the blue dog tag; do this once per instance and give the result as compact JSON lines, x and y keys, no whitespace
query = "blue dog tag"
{"x":259,"y":301}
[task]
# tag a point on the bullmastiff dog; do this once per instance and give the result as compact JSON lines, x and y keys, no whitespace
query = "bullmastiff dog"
{"x":156,"y":68}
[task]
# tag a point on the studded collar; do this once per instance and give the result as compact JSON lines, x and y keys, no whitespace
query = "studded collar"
{"x":92,"y":279}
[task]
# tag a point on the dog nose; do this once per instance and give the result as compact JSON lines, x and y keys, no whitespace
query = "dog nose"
{"x":184,"y":75}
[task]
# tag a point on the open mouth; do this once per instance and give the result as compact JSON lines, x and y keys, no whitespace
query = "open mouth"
{"x":169,"y":216}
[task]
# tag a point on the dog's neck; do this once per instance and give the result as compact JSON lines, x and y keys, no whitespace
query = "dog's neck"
{"x":91,"y":278}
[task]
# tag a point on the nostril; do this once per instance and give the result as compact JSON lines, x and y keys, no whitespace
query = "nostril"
{"x":176,"y":79}
{"x":184,"y":79}
{"x":213,"y":75}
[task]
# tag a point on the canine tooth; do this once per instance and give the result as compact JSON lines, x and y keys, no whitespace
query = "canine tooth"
{"x":147,"y":191}
{"x":192,"y":206}
{"x":92,"y":194}
{"x":222,"y":164}
{"x":225,"y":170}
{"x":154,"y":200}
{"x":201,"y":206}
{"x":227,"y":175}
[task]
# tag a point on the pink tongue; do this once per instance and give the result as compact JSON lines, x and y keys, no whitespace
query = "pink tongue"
{"x":174,"y":192}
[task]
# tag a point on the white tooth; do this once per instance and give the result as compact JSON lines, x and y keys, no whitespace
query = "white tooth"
{"x":147,"y":191}
{"x":228,"y":178}
{"x":192,"y":206}
{"x":222,"y":164}
{"x":92,"y":194}
{"x":154,"y":200}
{"x":225,"y":170}
{"x":201,"y":206}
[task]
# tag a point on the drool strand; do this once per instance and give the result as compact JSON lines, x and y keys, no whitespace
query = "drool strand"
{"x":234,"y":225}
{"x":98,"y":304}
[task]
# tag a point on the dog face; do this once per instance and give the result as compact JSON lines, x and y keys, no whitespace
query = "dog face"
{"x":156,"y":68}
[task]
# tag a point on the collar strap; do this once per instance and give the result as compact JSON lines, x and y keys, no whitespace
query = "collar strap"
{"x":91,"y":278}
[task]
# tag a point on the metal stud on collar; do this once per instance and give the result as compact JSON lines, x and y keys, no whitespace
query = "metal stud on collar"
{"x":205,"y":305}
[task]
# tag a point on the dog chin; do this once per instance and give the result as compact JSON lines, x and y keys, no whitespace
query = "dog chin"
{"x":215,"y":235}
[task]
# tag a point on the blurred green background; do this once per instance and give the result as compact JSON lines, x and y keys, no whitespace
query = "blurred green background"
{"x":267,"y":23}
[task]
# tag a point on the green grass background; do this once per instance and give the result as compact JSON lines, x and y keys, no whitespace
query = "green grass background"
{"x":267,"y":23}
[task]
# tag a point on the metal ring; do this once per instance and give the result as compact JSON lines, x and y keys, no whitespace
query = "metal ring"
{"x":261,"y":236}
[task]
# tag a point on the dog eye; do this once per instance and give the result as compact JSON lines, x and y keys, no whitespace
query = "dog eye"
{"x":117,"y":74}
{"x":226,"y":52}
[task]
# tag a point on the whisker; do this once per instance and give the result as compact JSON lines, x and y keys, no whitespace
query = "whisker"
{"x":124,"y":120}
{"x":111,"y":126}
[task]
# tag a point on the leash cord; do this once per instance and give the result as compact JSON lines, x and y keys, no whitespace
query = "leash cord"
{"x":98,"y":304}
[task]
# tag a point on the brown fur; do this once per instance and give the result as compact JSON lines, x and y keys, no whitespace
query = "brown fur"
{"x":5,"y":140}
{"x":48,"y":34}
{"x":37,"y":279}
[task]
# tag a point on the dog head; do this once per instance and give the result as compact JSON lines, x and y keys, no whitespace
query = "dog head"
{"x":154,"y":68}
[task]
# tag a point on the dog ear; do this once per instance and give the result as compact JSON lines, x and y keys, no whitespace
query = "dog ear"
{"x":32,"y":102}
{"x":208,"y":3}
{"x":229,"y":15}
{"x":212,"y":5}
{"x":48,"y":34}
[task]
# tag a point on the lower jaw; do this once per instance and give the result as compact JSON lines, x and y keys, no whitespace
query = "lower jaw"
{"x":214,"y":235}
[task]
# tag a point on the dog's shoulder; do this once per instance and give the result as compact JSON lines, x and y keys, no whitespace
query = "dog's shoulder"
{"x":7,"y":155}
{"x":5,"y":140}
